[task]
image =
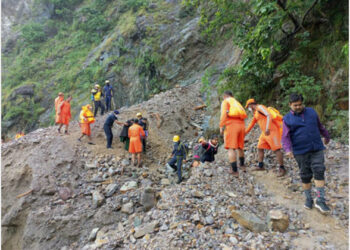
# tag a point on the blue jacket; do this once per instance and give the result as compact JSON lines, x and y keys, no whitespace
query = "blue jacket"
{"x":108,"y":91}
{"x":304,"y":131}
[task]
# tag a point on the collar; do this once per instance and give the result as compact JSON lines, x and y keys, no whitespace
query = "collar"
{"x":302,"y":112}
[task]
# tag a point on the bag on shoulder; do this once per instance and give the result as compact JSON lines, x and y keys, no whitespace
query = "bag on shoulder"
{"x":277,"y":118}
{"x":199,"y":151}
{"x":184,"y":148}
{"x":236,"y":110}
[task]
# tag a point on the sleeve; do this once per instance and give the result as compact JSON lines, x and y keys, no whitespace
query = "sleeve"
{"x":323,"y":130}
{"x":174,"y":150}
{"x":223,"y":117}
{"x":205,"y":145}
{"x":251,"y":125}
{"x":142,"y":132}
{"x":267,"y":114}
{"x":286,"y":141}
{"x":129,"y":132}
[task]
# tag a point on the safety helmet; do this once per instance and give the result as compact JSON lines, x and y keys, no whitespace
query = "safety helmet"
{"x":201,"y":139}
{"x":60,"y":93}
{"x":89,"y":106}
{"x":250,"y":101}
{"x":176,"y":138}
{"x":138,"y":114}
{"x":107,"y":81}
{"x":97,"y":86}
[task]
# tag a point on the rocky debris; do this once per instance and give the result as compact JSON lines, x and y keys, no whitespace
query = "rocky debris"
{"x":277,"y":220}
{"x":111,"y":189}
{"x":93,"y":234}
{"x":65,"y":193}
{"x":148,"y":199}
{"x":128,"y":208}
{"x":97,"y":199}
{"x":248,"y":220}
{"x":145,"y":229}
{"x":131,"y":185}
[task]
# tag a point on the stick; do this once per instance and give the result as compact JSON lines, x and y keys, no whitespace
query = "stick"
{"x":200,"y":107}
{"x":24,"y":194}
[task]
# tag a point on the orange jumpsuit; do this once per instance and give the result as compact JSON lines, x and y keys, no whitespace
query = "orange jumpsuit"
{"x":264,"y":119}
{"x":234,"y":128}
{"x":135,"y":133}
{"x":58,"y":101}
{"x":65,"y":114}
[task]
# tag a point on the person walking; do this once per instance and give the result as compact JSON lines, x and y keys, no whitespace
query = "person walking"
{"x":108,"y":92}
{"x":144,"y":124}
{"x":86,"y":118}
{"x":135,"y":147}
{"x":301,"y":137}
{"x":107,"y":127}
{"x":97,"y":95}
{"x":270,"y":137}
{"x":58,"y":102}
{"x":178,"y":156}
{"x":124,"y":134}
{"x":65,"y":115}
{"x":232,"y":118}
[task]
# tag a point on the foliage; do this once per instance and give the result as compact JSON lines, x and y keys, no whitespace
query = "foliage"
{"x":33,"y":34}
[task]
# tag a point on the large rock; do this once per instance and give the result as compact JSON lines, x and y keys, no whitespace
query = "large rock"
{"x":110,"y":189}
{"x":131,"y":185}
{"x":128,"y":208}
{"x":277,"y":220}
{"x":148,"y":199}
{"x":248,"y":220}
{"x":97,"y":199}
{"x":145,"y":229}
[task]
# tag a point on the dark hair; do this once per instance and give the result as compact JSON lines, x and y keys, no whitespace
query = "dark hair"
{"x":214,"y":137}
{"x":229,"y":93}
{"x":295,"y":97}
{"x":136,"y":120}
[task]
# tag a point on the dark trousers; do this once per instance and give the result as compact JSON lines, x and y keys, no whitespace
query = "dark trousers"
{"x":97,"y":105}
{"x":109,"y":135}
{"x":108,"y":103}
{"x":311,"y":164}
{"x":176,"y":163}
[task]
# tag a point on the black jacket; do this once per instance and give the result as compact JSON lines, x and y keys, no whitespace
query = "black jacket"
{"x":210,"y":152}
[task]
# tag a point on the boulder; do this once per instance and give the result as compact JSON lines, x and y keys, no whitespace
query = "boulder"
{"x":97,"y":199}
{"x":148,"y":199}
{"x":110,"y":189}
{"x":277,"y":220}
{"x":131,"y":185}
{"x":128,"y":208}
{"x":248,"y":220}
{"x":145,"y":229}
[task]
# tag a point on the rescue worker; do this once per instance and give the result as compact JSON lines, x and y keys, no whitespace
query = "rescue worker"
{"x":233,"y":133}
{"x":19,"y":135}
{"x":65,"y":114}
{"x":108,"y":92}
{"x":135,"y":147}
{"x":301,"y":137}
{"x":270,"y":137}
{"x":197,"y":152}
{"x":107,"y":127}
{"x":86,"y":118}
{"x":144,"y":124}
{"x":97,"y":95}
{"x":178,"y":156}
{"x":58,"y":102}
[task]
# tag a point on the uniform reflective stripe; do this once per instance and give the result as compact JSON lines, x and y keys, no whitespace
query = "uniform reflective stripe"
{"x":267,"y":114}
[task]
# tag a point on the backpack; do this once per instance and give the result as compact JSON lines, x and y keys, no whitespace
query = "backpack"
{"x":199,"y":151}
{"x":277,"y":118}
{"x":236,"y":110}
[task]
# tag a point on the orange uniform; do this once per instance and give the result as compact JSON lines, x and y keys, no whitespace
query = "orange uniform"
{"x":65,"y":114}
{"x":234,"y":128}
{"x":135,"y":133}
{"x":58,"y":101}
{"x":264,"y":119}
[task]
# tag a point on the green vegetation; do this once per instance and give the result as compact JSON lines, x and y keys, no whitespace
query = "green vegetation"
{"x":288,"y":46}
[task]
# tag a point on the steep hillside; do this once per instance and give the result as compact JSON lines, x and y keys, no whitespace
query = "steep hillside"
{"x":58,"y":193}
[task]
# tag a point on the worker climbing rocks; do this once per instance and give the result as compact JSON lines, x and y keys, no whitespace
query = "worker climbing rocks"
{"x":270,"y":137}
{"x":107,"y":127}
{"x":86,"y":118}
{"x":178,"y":156}
{"x":232,"y":118}
{"x":135,"y":147}
{"x":124,"y":134}
{"x":58,"y":102}
{"x":108,"y":92}
{"x":301,"y":137}
{"x":65,"y":115}
{"x":144,"y":124}
{"x":97,"y":95}
{"x":198,"y":152}
{"x":210,"y":149}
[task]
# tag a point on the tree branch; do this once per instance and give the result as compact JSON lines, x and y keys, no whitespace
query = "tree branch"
{"x":294,"y":20}
{"x":308,"y":11}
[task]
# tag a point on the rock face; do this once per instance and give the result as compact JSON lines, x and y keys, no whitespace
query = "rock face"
{"x":248,"y":220}
{"x":277,"y":220}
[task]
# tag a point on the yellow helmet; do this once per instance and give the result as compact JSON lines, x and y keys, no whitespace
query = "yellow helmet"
{"x":176,"y":138}
{"x":138,"y":114}
{"x":97,"y":86}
